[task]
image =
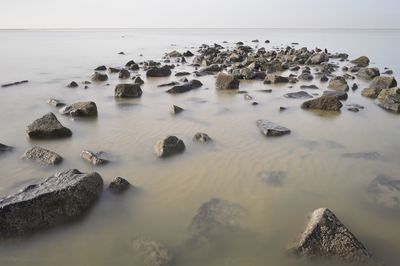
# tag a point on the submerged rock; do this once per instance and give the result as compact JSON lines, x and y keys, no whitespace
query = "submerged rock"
{"x":164,"y":71}
{"x":329,"y":103}
{"x":271,"y":129}
{"x":326,"y":237}
{"x":274,"y":178}
{"x":341,"y":95}
{"x":55,"y":102}
{"x":99,"y":77}
{"x":338,"y":83}
{"x":119,"y":185}
{"x":4,"y":148}
{"x":93,"y":158}
{"x":309,"y":87}
{"x":42,"y":155}
{"x":128,"y":91}
{"x":298,"y":95}
{"x":226,"y":82}
{"x":191,"y":85}
{"x":150,"y":253}
{"x":202,"y":137}
{"x":168,"y":146}
{"x":362,"y":61}
{"x":384,"y":191}
{"x":47,"y":127}
{"x":80,"y":109}
{"x":58,"y":199}
{"x":176,"y":109}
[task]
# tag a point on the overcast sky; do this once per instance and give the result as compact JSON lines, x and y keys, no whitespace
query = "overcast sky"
{"x":199,"y":13}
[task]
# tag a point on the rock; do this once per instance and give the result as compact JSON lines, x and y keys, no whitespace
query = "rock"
{"x":324,"y":78}
{"x":329,"y":103}
{"x":354,"y":87}
{"x":318,"y":58}
{"x":373,"y":156}
{"x":99,"y":77}
{"x":118,"y":185}
{"x":202,"y":137}
{"x":297,"y":95}
{"x":391,"y":103}
{"x":309,"y":87}
{"x":80,"y":109}
{"x":181,"y":74}
{"x":248,"y":97}
{"x":164,"y":71}
{"x":271,"y":129}
{"x":282,"y":108}
{"x":377,"y":85}
{"x":341,"y":95}
{"x":326,"y":237}
{"x":100,"y":68}
{"x":128,"y":91}
{"x":191,"y":85}
{"x":368,"y":73}
{"x":138,"y":80}
{"x":73,"y":84}
{"x":353,"y":109}
{"x":307,"y":76}
{"x":174,"y":54}
{"x":388,"y":72}
{"x":55,"y":102}
{"x":371,"y":92}
{"x":188,"y":54}
{"x":274,"y":178}
{"x":386,"y":92}
{"x":113,"y":70}
{"x":168,"y":146}
{"x":362,"y":61}
{"x":212,"y":68}
{"x":121,"y":53}
{"x":384,"y":191}
{"x":176,"y":109}
{"x":42,"y":155}
{"x":172,"y":83}
{"x":338,"y":83}
{"x":274,"y":79}
{"x":226,"y":82}
{"x":150,"y":253}
{"x":47,"y":127}
{"x":93,"y":158}
{"x":4,"y":148}
{"x":14,"y":83}
{"x":124,"y":74}
{"x":58,"y":199}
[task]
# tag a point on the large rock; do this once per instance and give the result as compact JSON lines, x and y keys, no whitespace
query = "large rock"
{"x":362,"y":61}
{"x":271,"y":129}
{"x":377,"y":85}
{"x":338,"y":83}
{"x":275,"y":79}
{"x":329,"y":103}
{"x":386,"y":92}
{"x":191,"y":85}
{"x":168,"y":146}
{"x":47,"y":127}
{"x":128,"y":90}
{"x":58,"y":199}
{"x":368,"y":73}
{"x":384,"y":191}
{"x":391,"y":102}
{"x":164,"y":71}
{"x":150,"y":253}
{"x":326,"y":237}
{"x":42,"y":155}
{"x":298,"y":95}
{"x":226,"y":82}
{"x":80,"y":109}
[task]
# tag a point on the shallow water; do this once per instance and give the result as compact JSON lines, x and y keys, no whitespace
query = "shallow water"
{"x":314,"y":173}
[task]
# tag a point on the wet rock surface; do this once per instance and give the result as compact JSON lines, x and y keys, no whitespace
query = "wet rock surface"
{"x":298,"y":95}
{"x":226,"y":82}
{"x":341,"y":95}
{"x":58,"y":199}
{"x":128,"y":91}
{"x":93,"y":158}
{"x":43,"y":156}
{"x":99,"y":77}
{"x":164,"y":71}
{"x":191,"y":85}
{"x":48,"y":127}
{"x":119,"y":185}
{"x":271,"y":129}
{"x":328,"y":103}
{"x":169,"y":146}
{"x":80,"y":109}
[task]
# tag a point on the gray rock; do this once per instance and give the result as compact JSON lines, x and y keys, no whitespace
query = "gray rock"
{"x":4,"y":148}
{"x":181,"y":74}
{"x":169,"y":84}
{"x":168,"y":146}
{"x":47,"y":127}
{"x":307,"y":76}
{"x":124,"y":74}
{"x":362,"y":61}
{"x":58,"y":199}
{"x":212,"y":68}
{"x":174,"y":54}
{"x":329,"y":103}
{"x":271,"y":129}
{"x":275,"y":79}
{"x":377,"y":85}
{"x":101,"y":68}
{"x":55,"y":102}
{"x":119,"y":185}
{"x":191,"y":85}
{"x":309,"y":87}
{"x":42,"y":155}
{"x":384,"y":191}
{"x":338,"y":83}
{"x":150,"y":253}
{"x":80,"y":109}
{"x":298,"y":95}
{"x":391,"y":102}
{"x":73,"y":84}
{"x":93,"y":158}
{"x":176,"y":109}
{"x":99,"y":77}
{"x":341,"y":95}
{"x":164,"y":71}
{"x":368,"y":73}
{"x":226,"y":82}
{"x":318,"y":58}
{"x":113,"y":70}
{"x":202,"y":137}
{"x":326,"y":237}
{"x":128,"y":91}
{"x":138,"y":80}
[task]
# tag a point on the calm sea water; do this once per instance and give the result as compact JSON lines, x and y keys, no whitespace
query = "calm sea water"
{"x":170,"y":191}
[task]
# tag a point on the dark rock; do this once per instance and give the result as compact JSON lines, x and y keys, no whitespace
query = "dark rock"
{"x":274,"y":79}
{"x":326,"y":237}
{"x":164,"y":71}
{"x":309,"y":87}
{"x":338,"y":83}
{"x":271,"y":129}
{"x":362,"y":61}
{"x":93,"y":158}
{"x":113,"y":70}
{"x":169,"y":146}
{"x":100,"y":68}
{"x":373,"y":156}
{"x":128,"y":91}
{"x":124,"y":74}
{"x":14,"y":83}
{"x":99,"y":77}
{"x":329,"y":103}
{"x":354,"y":87}
{"x":121,"y":53}
{"x":191,"y":85}
{"x":202,"y":137}
{"x":80,"y":109}
{"x":226,"y":82}
{"x":42,"y":155}
{"x":138,"y":80}
{"x":176,"y":109}
{"x":324,"y":78}
{"x":118,"y":185}
{"x":384,"y":191}
{"x":58,"y":199}
{"x":368,"y":73}
{"x":307,"y":76}
{"x":174,"y":54}
{"x":388,"y":72}
{"x":4,"y":148}
{"x":73,"y":84}
{"x":150,"y":253}
{"x":180,"y":74}
{"x":297,"y":95}
{"x":170,"y":84}
{"x":47,"y":127}
{"x":341,"y":95}
{"x":282,"y":108}
{"x":188,"y":54}
{"x":55,"y":102}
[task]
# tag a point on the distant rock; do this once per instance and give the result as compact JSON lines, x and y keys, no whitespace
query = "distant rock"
{"x":309,"y":87}
{"x":275,"y":79}
{"x":181,"y":74}
{"x":138,"y":80}
{"x":47,"y":127}
{"x":168,"y":146}
{"x":93,"y":158}
{"x":338,"y":83}
{"x":226,"y":82}
{"x":318,"y":58}
{"x":202,"y":137}
{"x":150,"y":253}
{"x":119,"y":185}
{"x":191,"y":85}
{"x":113,"y":70}
{"x":164,"y":71}
{"x":368,"y":73}
{"x":298,"y":95}
{"x":188,"y":54}
{"x":329,"y":103}
{"x":174,"y":54}
{"x":271,"y":129}
{"x":80,"y":109}
{"x":99,"y":77}
{"x":73,"y":84}
{"x":362,"y":61}
{"x":124,"y":74}
{"x":42,"y":155}
{"x":384,"y":191}
{"x":128,"y":91}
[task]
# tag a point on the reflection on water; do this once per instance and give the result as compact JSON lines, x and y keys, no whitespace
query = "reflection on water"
{"x":278,"y":181}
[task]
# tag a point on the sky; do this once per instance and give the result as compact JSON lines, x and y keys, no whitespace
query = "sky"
{"x":199,"y":14}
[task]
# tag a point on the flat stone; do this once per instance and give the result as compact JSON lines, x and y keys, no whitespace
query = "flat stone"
{"x":271,"y":129}
{"x":341,"y":95}
{"x":298,"y":95}
{"x":47,"y":127}
{"x":42,"y":155}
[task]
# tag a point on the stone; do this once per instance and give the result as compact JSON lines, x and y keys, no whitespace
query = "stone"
{"x":202,"y":137}
{"x":306,"y":76}
{"x":138,"y":80}
{"x":298,"y":95}
{"x":42,"y":155}
{"x":150,"y":253}
{"x":191,"y":85}
{"x":226,"y":82}
{"x":271,"y":129}
{"x":188,"y":54}
{"x":100,"y":68}
{"x":164,"y":71}
{"x":56,"y":200}
{"x":176,"y":109}
{"x":329,"y":103}
{"x":174,"y":54}
{"x":212,"y":68}
{"x":169,"y":146}
{"x":377,"y":85}
{"x":55,"y":102}
{"x":386,"y":92}
{"x":324,"y":78}
{"x":362,"y":61}
{"x":128,"y":91}
{"x":391,"y":103}
{"x":338,"y":83}
{"x":368,"y":73}
{"x":341,"y":95}
{"x":5,"y":148}
{"x":384,"y":191}
{"x":309,"y":87}
{"x":169,"y":84}
{"x":327,"y":237}
{"x":274,"y":79}
{"x":119,"y":185}
{"x":124,"y":74}
{"x":371,"y":92}
{"x":318,"y":58}
{"x":99,"y":77}
{"x":113,"y":70}
{"x":354,"y":87}
{"x":181,"y":74}
{"x":47,"y":127}
{"x":80,"y":109}
{"x":73,"y":84}
{"x":93,"y":158}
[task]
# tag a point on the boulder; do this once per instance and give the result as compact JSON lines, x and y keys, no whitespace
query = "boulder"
{"x":226,"y":82}
{"x":150,"y":253}
{"x":371,"y":92}
{"x":124,"y":74}
{"x":274,"y":79}
{"x":42,"y":155}
{"x":362,"y":61}
{"x":368,"y":73}
{"x":118,"y":185}
{"x":47,"y":127}
{"x":338,"y":83}
{"x":386,"y":92}
{"x":384,"y":191}
{"x":329,"y":103}
{"x":202,"y":137}
{"x":93,"y":158}
{"x":298,"y":95}
{"x":271,"y":129}
{"x":80,"y":109}
{"x":164,"y":71}
{"x":391,"y":103}
{"x":341,"y":95}
{"x":128,"y":91}
{"x":99,"y":77}
{"x":168,"y":146}
{"x":326,"y":237}
{"x":191,"y":85}
{"x":56,"y":200}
